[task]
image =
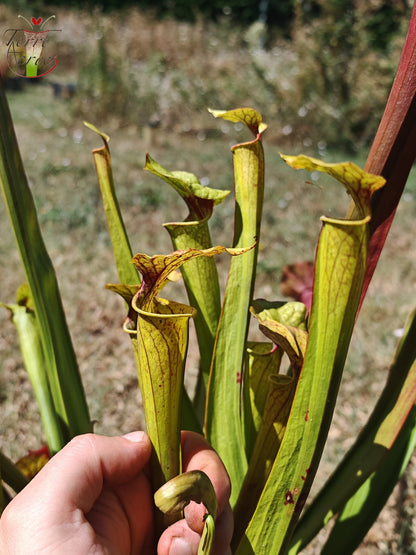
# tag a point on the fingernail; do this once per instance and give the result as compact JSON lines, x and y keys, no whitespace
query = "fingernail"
{"x":135,"y":437}
{"x":179,"y":546}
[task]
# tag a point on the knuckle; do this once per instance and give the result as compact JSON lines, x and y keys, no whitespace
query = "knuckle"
{"x":82,"y":442}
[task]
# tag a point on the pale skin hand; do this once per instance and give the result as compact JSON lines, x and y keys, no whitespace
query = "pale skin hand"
{"x":94,"y":496}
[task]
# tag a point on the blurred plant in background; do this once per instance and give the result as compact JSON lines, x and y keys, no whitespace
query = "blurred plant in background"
{"x":322,"y":70}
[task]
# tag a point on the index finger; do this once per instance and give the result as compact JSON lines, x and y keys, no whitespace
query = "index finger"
{"x":197,"y":454}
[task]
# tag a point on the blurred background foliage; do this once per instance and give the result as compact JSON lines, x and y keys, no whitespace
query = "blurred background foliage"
{"x":384,"y":14}
{"x":322,"y":68}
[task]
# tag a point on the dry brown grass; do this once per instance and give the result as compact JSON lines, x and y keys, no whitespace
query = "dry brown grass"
{"x":56,"y":149}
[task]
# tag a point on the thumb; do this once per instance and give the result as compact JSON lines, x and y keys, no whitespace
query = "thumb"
{"x":76,"y":474}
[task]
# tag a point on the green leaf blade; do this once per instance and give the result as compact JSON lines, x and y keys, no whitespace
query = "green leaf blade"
{"x":340,"y":259}
{"x":376,"y":442}
{"x":260,"y":363}
{"x":339,"y":277}
{"x":362,"y":509}
{"x":31,"y":348}
{"x":118,"y":235}
{"x":63,"y":373}
{"x":200,"y":275}
{"x":161,"y":327}
{"x":226,"y":436}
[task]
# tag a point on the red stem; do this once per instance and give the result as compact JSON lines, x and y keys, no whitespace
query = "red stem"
{"x":394,"y":149}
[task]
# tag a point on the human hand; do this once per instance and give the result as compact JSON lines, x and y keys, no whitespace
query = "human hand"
{"x":94,"y":496}
{"x":182,"y":537}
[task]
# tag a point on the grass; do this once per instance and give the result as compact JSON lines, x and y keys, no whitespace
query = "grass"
{"x":56,"y":148}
